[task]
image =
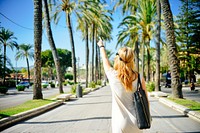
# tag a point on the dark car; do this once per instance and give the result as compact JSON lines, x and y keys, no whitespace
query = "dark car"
{"x":24,"y":83}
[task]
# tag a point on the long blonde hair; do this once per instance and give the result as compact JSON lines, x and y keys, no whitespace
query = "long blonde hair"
{"x":124,"y":65}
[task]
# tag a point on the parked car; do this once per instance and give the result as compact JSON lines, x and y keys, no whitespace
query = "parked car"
{"x":24,"y":83}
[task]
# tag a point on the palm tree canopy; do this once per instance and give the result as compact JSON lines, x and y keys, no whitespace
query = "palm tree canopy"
{"x":7,"y":38}
{"x":25,"y":51}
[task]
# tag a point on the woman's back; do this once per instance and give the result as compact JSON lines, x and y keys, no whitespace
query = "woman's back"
{"x":123,"y":115}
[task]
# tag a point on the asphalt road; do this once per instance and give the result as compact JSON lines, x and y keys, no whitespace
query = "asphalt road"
{"x":92,"y":114}
{"x":14,"y":97}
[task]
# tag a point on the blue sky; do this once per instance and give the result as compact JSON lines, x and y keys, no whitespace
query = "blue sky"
{"x":21,"y":12}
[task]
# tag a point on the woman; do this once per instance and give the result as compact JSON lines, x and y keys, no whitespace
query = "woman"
{"x":123,"y":83}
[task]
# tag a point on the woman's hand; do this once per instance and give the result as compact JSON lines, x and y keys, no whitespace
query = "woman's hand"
{"x":100,"y":43}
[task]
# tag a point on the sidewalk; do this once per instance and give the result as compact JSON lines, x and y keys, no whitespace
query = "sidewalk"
{"x":92,"y":114}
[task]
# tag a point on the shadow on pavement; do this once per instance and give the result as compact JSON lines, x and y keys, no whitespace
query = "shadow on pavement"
{"x":64,"y":121}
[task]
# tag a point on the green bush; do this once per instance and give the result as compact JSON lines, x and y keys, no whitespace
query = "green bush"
{"x":73,"y":89}
{"x":20,"y":88}
{"x":69,"y":76}
{"x":99,"y":82}
{"x":92,"y":84}
{"x":44,"y":86}
{"x":3,"y":89}
{"x":150,"y":86}
{"x":10,"y":83}
{"x":52,"y":85}
{"x":198,"y":81}
{"x":65,"y":83}
{"x":70,"y":83}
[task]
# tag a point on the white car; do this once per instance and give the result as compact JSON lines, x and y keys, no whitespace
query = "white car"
{"x":45,"y":83}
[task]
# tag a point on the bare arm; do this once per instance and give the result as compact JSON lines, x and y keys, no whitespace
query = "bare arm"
{"x":106,"y":63}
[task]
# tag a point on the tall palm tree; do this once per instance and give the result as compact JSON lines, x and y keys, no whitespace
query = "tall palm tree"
{"x":85,"y":8}
{"x":37,"y":91}
{"x":146,"y":14}
{"x":7,"y":39}
{"x":171,"y":43}
{"x":129,"y":36}
{"x":67,"y":7}
{"x":53,"y":47}
{"x":129,"y":6}
{"x":157,"y":77}
{"x":25,"y":51}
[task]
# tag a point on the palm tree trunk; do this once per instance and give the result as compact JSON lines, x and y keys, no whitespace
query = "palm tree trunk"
{"x":157,"y":77}
{"x":93,"y":52}
{"x":72,"y":46}
{"x":96,"y":59}
{"x":28,"y":69}
{"x":148,"y":60}
{"x":53,"y":47}
{"x":37,"y":91}
{"x":173,"y":60}
{"x":87,"y":52}
{"x":143,"y":52}
{"x":99,"y":64}
{"x":4,"y":65}
{"x":136,"y":56}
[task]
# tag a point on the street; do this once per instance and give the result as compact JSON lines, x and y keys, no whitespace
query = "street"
{"x":92,"y":114}
{"x":15,"y":98}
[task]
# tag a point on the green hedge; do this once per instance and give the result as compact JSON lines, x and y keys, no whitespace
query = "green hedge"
{"x":20,"y":88}
{"x":44,"y":86}
{"x":69,"y":76}
{"x":52,"y":85}
{"x":150,"y":86}
{"x":3,"y":89}
{"x":92,"y":84}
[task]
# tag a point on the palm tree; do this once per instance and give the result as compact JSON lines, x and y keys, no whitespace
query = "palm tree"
{"x":129,"y":36}
{"x":173,"y":60}
{"x":53,"y":47}
{"x":157,"y":81}
{"x":83,"y":15}
{"x":25,"y":51}
{"x":68,"y":7}
{"x":7,"y":38}
{"x":129,"y":6}
{"x":94,"y":14}
{"x":146,"y":14}
{"x":37,"y":92}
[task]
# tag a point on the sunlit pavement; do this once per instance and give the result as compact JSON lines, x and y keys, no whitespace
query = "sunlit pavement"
{"x":92,"y":114}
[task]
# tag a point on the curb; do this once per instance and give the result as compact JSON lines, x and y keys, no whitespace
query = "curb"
{"x":8,"y":122}
{"x":186,"y":111}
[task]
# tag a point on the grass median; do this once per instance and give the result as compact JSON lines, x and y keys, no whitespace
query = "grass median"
{"x":193,"y":105}
{"x":24,"y":107}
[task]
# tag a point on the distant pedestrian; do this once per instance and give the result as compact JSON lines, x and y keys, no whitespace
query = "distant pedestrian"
{"x":123,"y":82}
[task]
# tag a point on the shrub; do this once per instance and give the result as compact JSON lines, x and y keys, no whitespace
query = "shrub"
{"x":3,"y":89}
{"x":44,"y":86}
{"x":70,"y":83}
{"x":73,"y":89}
{"x":198,"y":81}
{"x":65,"y":83}
{"x":99,"y":82}
{"x":20,"y":88}
{"x":52,"y":85}
{"x":69,"y":76}
{"x":92,"y":84}
{"x":150,"y":86}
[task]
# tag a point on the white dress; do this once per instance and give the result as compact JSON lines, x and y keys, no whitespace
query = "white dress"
{"x":123,"y":114}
